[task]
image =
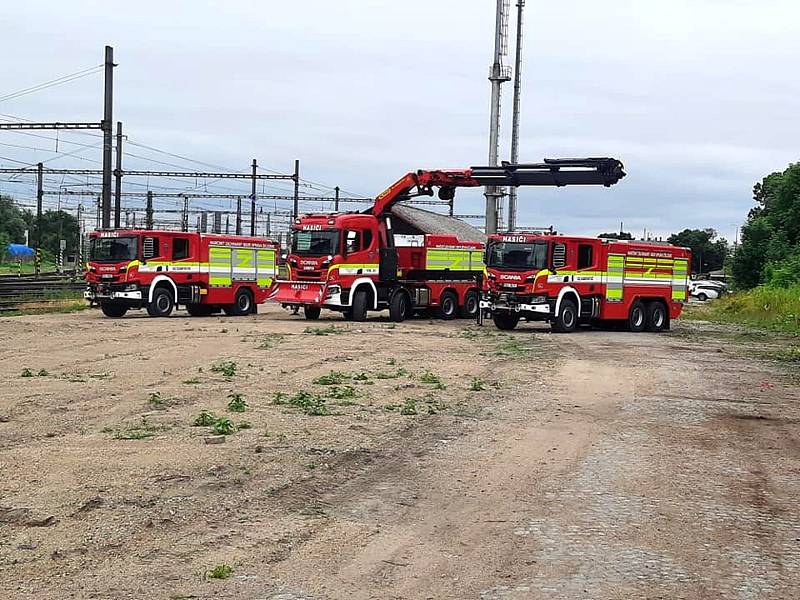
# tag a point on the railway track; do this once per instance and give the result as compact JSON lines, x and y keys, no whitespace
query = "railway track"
{"x":48,"y":288}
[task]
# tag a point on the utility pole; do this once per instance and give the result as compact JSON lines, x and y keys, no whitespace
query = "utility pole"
{"x":227,"y":224}
{"x":336,"y":202}
{"x":118,"y":177}
{"x":499,"y":74}
{"x":148,"y":215}
{"x":296,"y":177}
{"x":105,"y":125}
{"x":512,"y":191}
{"x":269,"y":226}
{"x":79,"y":250}
{"x":238,"y":216}
{"x":39,"y":195}
{"x":185,"y":214}
{"x":99,"y":211}
{"x":253,"y":201}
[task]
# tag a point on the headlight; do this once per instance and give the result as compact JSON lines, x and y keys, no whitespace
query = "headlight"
{"x":132,"y":287}
{"x":539,"y":300}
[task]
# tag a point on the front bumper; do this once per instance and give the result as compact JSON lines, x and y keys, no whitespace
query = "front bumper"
{"x":99,"y":292}
{"x":298,"y":293}
{"x":509,"y":303}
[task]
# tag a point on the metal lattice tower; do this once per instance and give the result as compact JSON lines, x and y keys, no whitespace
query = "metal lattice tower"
{"x":512,"y":192}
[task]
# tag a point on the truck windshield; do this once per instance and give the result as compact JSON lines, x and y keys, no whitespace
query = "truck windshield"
{"x":116,"y":249}
{"x":518,"y":256}
{"x":316,"y":243}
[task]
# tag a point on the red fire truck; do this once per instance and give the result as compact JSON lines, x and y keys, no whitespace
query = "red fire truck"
{"x":159,"y":270}
{"x":389,"y":258}
{"x":571,"y":280}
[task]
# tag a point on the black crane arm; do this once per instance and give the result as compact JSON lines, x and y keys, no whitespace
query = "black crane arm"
{"x":553,"y":172}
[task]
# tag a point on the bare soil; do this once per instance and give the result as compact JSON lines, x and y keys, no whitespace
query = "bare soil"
{"x":595,"y":465}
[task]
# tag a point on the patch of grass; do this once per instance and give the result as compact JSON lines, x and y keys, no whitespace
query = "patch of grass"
{"x":311,"y":404}
{"x":26,"y":372}
{"x":332,"y":378}
{"x":362,"y":378}
{"x":237,"y":403}
{"x":329,"y":330}
{"x":280,"y":398}
{"x":244,"y":425}
{"x":433,"y":379}
{"x":136,"y":432}
{"x":788,"y":355}
{"x":512,"y":347}
{"x":223,"y":426}
{"x":156,"y":400}
{"x":42,"y":373}
{"x":192,"y":381}
{"x":477,"y":385}
{"x":342,"y":392}
{"x":204,"y":419}
{"x":401,"y":372}
{"x":222,"y":571}
{"x":409,"y":407}
{"x":269,"y":342}
{"x":776,"y":309}
{"x":226,"y":367}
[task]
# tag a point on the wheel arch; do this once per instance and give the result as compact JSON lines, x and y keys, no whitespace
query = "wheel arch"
{"x":364,"y":281}
{"x":165,"y":282}
{"x":567,"y":292}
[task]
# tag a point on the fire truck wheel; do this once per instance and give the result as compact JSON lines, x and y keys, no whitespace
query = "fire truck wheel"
{"x":162,"y":303}
{"x":637,"y":318}
{"x":399,"y":307}
{"x":358,"y":311}
{"x":448,"y":306}
{"x":113,"y":310}
{"x":312,"y":312}
{"x":657,"y":316}
{"x":567,"y":319}
{"x":505,"y":320}
{"x":470,"y":308}
{"x":242,"y":304}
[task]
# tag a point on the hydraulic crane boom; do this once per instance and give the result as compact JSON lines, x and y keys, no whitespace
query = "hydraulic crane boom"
{"x":552,"y":172}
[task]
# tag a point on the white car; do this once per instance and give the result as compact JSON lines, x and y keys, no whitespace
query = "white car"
{"x":706,"y":290}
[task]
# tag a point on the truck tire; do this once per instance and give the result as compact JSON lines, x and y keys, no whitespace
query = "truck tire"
{"x":162,"y":303}
{"x":242,"y":304}
{"x":399,"y":307}
{"x":114,"y":310}
{"x":471,"y":304}
{"x":505,"y":320}
{"x":637,"y":317}
{"x":311,"y":312}
{"x":199,"y":310}
{"x":358,"y":311}
{"x":567,"y":319}
{"x":448,"y":306}
{"x":657,"y":316}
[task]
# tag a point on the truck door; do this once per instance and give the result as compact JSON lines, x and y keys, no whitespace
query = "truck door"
{"x":615,"y":274}
{"x":359,"y":250}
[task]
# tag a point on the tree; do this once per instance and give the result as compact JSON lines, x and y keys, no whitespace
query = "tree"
{"x":56,"y":225}
{"x":12,"y":221}
{"x":621,"y":235}
{"x":771,"y":235}
{"x":708,"y":253}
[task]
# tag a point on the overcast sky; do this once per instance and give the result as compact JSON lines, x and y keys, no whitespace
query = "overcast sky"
{"x":699,"y":98}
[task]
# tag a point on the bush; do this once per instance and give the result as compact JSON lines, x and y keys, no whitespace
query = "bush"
{"x":784,"y":273}
{"x":765,"y":306}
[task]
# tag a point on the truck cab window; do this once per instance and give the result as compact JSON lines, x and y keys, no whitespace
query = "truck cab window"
{"x":367,"y":239}
{"x":352,"y":242}
{"x":180,"y":248}
{"x":585,"y":256}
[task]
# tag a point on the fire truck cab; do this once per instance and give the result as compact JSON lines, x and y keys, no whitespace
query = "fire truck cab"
{"x":569,"y":280}
{"x":159,"y":270}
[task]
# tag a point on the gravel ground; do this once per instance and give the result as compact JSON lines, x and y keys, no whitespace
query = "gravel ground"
{"x":457,"y":462}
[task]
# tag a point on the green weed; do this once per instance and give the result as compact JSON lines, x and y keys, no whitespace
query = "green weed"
{"x":192,"y":381}
{"x":244,"y":425}
{"x":42,"y":373}
{"x":342,"y":393}
{"x":204,"y":419}
{"x":26,"y":372}
{"x":226,"y":367}
{"x":136,"y":432}
{"x":332,"y":378}
{"x":270,"y":342}
{"x":223,"y":426}
{"x":237,"y":403}
{"x":433,"y":379}
{"x":409,"y":407}
{"x":222,"y":571}
{"x":477,"y":385}
{"x":401,"y":372}
{"x":329,"y":330}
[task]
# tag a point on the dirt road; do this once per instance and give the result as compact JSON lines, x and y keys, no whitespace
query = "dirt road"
{"x":455,"y":461}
